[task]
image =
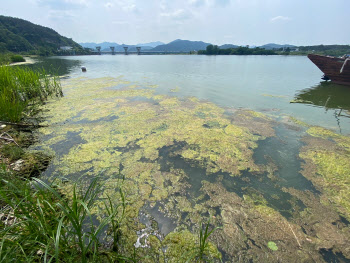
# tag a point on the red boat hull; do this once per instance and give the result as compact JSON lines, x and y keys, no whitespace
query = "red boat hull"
{"x":333,"y":68}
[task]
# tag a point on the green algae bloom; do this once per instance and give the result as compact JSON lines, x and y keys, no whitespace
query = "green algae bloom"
{"x":157,"y":141}
{"x":121,"y":122}
{"x":298,"y":122}
{"x":332,"y":163}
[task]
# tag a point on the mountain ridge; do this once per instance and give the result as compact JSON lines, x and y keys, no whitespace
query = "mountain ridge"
{"x":105,"y":46}
{"x":276,"y":46}
{"x":177,"y":45}
{"x":180,"y":45}
{"x":19,"y":35}
{"x":151,"y":44}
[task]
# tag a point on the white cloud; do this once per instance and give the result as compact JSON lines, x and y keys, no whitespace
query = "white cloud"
{"x":197,"y":3}
{"x":120,"y":22}
{"x":130,"y":8}
{"x":61,"y":15}
{"x":167,"y":20}
{"x":279,"y":18}
{"x":222,"y":2}
{"x":109,"y":5}
{"x":125,"y":5}
{"x":77,"y":2}
{"x":63,"y":4}
{"x":179,"y":14}
{"x":165,"y":5}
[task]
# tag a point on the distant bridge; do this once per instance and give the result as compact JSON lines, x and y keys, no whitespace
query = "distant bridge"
{"x":137,"y":52}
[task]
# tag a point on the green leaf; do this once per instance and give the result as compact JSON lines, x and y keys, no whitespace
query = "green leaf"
{"x":272,"y":245}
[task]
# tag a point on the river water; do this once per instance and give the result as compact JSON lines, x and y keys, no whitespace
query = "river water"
{"x":257,"y":143}
{"x":262,"y":83}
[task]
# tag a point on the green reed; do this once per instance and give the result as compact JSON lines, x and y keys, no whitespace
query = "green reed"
{"x":5,"y":58}
{"x":23,"y":90}
{"x":201,"y":252}
{"x":46,"y":226}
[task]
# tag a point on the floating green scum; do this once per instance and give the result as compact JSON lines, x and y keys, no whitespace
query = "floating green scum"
{"x":177,"y":155}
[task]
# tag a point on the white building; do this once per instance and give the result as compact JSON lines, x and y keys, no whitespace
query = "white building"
{"x":66,"y":48}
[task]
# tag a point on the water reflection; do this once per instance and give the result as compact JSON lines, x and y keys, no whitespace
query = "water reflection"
{"x":328,"y":95}
{"x":57,"y":65}
{"x":332,"y":97}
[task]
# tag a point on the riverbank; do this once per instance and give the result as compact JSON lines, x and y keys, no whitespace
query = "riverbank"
{"x":28,"y":61}
{"x":41,"y":221}
{"x":14,"y":59}
{"x":14,"y":157}
{"x":37,"y":221}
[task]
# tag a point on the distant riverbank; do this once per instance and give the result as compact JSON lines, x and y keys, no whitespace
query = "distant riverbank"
{"x":28,"y":60}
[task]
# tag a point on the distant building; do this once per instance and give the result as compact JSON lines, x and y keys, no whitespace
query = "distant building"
{"x":65,"y":48}
{"x":294,"y":49}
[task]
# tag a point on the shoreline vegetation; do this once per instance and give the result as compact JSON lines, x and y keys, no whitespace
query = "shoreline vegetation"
{"x":45,"y":222}
{"x":22,"y":91}
{"x":327,"y":50}
{"x":215,"y":50}
{"x":13,"y":59}
{"x":21,"y":58}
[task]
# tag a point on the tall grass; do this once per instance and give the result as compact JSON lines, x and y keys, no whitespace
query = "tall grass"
{"x":47,"y":227}
{"x":5,"y":58}
{"x":202,"y":252}
{"x":22,"y":90}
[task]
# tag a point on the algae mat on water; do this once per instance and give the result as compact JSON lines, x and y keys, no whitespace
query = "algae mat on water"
{"x":180,"y":156}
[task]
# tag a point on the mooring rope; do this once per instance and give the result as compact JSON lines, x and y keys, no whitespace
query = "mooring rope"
{"x":346,"y":60}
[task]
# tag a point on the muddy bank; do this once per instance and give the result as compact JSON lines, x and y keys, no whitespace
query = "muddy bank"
{"x":15,"y":155}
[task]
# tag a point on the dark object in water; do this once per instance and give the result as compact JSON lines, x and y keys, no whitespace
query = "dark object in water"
{"x":83,"y":69}
{"x":326,"y":78}
{"x":335,"y":69}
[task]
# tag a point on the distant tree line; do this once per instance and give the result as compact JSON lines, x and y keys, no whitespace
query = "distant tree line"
{"x":330,"y":50}
{"x":325,"y":47}
{"x":215,"y":50}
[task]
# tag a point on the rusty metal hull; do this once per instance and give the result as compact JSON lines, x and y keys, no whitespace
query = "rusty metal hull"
{"x":333,"y":68}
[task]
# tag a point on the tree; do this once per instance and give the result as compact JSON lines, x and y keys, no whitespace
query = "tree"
{"x":209,"y":49}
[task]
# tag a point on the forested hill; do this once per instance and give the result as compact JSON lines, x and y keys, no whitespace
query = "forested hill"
{"x":182,"y":46}
{"x":18,"y":35}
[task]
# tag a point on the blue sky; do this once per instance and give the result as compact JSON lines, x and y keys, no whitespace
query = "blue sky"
{"x":242,"y":22}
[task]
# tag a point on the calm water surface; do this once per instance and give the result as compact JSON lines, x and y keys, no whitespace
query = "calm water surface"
{"x":263,"y":83}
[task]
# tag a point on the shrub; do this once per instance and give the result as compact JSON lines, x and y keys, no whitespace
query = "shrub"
{"x":17,"y":58}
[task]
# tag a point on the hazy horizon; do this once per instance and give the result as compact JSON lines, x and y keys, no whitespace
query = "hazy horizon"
{"x":238,"y":22}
